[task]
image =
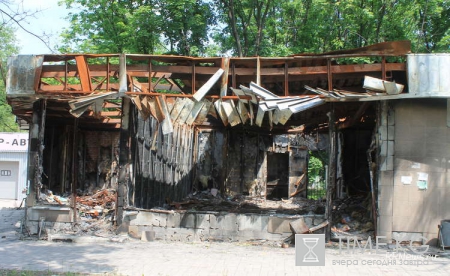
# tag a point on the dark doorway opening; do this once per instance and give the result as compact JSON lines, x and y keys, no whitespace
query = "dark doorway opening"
{"x":277,"y":175}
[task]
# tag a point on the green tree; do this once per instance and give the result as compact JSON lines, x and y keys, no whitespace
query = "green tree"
{"x":143,"y":26}
{"x":7,"y":48}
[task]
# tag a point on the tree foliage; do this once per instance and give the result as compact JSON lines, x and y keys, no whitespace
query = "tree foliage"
{"x":254,"y":27}
{"x":7,"y":47}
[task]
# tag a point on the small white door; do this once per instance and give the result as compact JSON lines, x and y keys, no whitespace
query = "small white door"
{"x":9,"y":178}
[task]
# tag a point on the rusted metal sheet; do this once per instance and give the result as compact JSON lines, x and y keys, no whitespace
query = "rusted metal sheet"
{"x":231,"y":113}
{"x":194,"y":112}
{"x":198,"y":96}
{"x":23,"y":72}
{"x":83,"y":72}
{"x":389,"y":48}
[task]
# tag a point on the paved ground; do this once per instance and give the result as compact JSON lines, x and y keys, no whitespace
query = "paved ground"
{"x":161,"y":258}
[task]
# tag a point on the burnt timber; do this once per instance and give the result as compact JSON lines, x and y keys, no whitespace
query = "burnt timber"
{"x":159,"y":127}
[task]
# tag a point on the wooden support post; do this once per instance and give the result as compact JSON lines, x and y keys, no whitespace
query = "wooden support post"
{"x":124,"y":160}
{"x":286,"y":79}
{"x":383,"y":68}
{"x":258,"y":71}
{"x":193,"y":78}
{"x":329,"y":75}
{"x":33,"y":154}
{"x":331,"y":172}
{"x":224,"y":84}
{"x":150,"y":88}
{"x":74,"y":168}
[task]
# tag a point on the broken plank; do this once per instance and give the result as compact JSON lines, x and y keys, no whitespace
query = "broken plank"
{"x":167,"y":126}
{"x":160,"y":114}
{"x":186,"y":111}
{"x":282,"y":116}
{"x":194,"y":112}
{"x":231,"y":113}
{"x":198,"y":96}
{"x":242,"y":111}
{"x":375,"y":84}
{"x":295,"y":108}
{"x":203,"y":112}
{"x":259,"y":116}
{"x":221,"y":112}
{"x":178,"y":107}
{"x":262,"y":92}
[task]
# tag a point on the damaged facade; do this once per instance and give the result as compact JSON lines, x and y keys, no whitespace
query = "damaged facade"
{"x":219,"y":148}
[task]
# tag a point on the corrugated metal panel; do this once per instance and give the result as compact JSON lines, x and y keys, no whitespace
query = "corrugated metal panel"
{"x":22,"y":158}
{"x":428,"y":74}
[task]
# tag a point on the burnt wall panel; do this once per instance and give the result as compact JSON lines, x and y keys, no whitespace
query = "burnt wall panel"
{"x":162,"y":163}
{"x":246,"y":163}
{"x":209,"y":161}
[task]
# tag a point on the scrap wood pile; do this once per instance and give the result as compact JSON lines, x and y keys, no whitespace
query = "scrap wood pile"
{"x":99,"y":204}
{"x":351,"y":216}
{"x":211,"y":200}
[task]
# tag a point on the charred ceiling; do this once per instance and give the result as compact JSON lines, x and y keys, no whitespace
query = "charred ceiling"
{"x":91,"y":87}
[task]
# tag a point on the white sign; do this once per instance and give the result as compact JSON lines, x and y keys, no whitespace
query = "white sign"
{"x":13,"y":141}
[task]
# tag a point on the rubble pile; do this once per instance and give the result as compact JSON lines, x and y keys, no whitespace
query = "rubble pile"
{"x":211,"y":200}
{"x":98,"y":204}
{"x":352,"y":216}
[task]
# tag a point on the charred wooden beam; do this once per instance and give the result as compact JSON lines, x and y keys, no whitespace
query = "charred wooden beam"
{"x":331,"y":171}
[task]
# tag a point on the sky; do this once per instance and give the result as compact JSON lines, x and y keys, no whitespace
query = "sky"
{"x":50,"y":20}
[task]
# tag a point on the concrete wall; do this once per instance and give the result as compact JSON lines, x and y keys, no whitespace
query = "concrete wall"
{"x":420,"y":150}
{"x":213,"y":226}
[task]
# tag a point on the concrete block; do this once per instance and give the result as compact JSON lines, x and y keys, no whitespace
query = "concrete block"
{"x":385,"y":207}
{"x":173,"y":220}
{"x":227,"y":222}
{"x":386,"y":178}
{"x":390,"y":148}
{"x":148,"y":236}
{"x":385,"y":192}
{"x":391,"y":133}
{"x":385,"y":224}
{"x":51,"y":214}
{"x":187,"y":220}
{"x":252,"y":222}
{"x":201,"y":235}
{"x":402,"y":224}
{"x":133,"y":231}
{"x":383,"y":132}
{"x":202,"y":221}
{"x":389,"y":163}
{"x":213,"y":222}
{"x":401,"y":208}
{"x":279,"y":225}
{"x":142,"y":218}
{"x":159,"y":219}
{"x":401,"y":192}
